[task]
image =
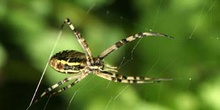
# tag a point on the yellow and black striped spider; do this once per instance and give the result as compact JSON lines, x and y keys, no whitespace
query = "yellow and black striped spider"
{"x":82,"y":64}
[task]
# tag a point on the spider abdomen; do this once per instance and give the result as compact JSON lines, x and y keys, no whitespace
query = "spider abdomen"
{"x":68,"y":61}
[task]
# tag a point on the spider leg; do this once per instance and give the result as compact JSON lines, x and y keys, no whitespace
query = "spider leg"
{"x":129,"y":39}
{"x":80,"y":39}
{"x":70,"y":85}
{"x":48,"y":90}
{"x":129,"y":79}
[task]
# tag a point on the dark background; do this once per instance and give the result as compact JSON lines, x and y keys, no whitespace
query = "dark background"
{"x":29,"y":29}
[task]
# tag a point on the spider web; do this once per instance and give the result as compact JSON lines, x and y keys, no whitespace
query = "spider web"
{"x":123,"y":96}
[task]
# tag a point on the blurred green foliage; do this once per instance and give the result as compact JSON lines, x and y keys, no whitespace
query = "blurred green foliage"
{"x":29,"y":30}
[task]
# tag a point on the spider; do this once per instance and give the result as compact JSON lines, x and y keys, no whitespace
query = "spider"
{"x":82,"y":64}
